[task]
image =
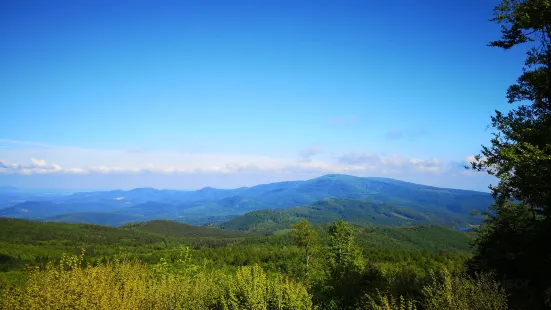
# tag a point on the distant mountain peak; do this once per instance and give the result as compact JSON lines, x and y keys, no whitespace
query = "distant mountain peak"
{"x":145,"y":189}
{"x":207,"y":188}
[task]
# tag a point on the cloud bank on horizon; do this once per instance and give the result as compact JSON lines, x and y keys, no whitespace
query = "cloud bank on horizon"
{"x":29,"y":163}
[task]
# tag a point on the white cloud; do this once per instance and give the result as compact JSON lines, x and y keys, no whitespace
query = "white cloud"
{"x":395,"y":163}
{"x":472,"y":158}
{"x":37,"y":166}
{"x":36,"y":158}
{"x":38,"y":162}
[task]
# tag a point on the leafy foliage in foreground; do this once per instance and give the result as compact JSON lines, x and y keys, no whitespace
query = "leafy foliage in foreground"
{"x":132,"y":285}
{"x":341,"y":277}
{"x":514,"y":240}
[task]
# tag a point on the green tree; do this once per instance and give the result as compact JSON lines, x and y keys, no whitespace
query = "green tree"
{"x":517,"y":228}
{"x":305,"y":237}
{"x":342,"y":243}
{"x":345,"y":272}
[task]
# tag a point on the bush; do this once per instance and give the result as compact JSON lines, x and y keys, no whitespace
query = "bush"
{"x":124,"y":285}
{"x":463,"y":293}
{"x":383,"y":302}
{"x":251,"y":288}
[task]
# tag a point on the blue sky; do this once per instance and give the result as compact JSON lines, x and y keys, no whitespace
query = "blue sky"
{"x":185,"y":94}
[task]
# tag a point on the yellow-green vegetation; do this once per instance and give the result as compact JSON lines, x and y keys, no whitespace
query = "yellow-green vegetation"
{"x":384,"y":302}
{"x":123,"y":284}
{"x":444,"y":291}
{"x":180,"y":284}
{"x":464,"y":293}
{"x":293,"y":271}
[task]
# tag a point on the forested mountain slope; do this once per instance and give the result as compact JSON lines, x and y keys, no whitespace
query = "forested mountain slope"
{"x":354,"y":211}
{"x":210,"y":205}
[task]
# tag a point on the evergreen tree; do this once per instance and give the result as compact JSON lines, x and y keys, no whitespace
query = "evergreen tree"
{"x":345,"y":268}
{"x":304,"y":236}
{"x":343,"y":249}
{"x":514,"y":240}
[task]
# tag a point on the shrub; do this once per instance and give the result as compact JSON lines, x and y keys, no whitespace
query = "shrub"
{"x":384,"y":302}
{"x":251,"y":288}
{"x":122,"y":284}
{"x":463,"y":293}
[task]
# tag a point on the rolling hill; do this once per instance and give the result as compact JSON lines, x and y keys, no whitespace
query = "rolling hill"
{"x":328,"y":210}
{"x":181,"y":230}
{"x":430,"y":238}
{"x":210,"y":205}
{"x":98,"y":218}
{"x":24,"y":241}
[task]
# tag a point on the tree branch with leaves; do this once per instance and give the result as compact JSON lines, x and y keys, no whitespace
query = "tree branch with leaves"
{"x":514,"y":238}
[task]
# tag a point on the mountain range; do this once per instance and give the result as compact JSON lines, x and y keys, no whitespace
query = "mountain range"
{"x":358,"y":199}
